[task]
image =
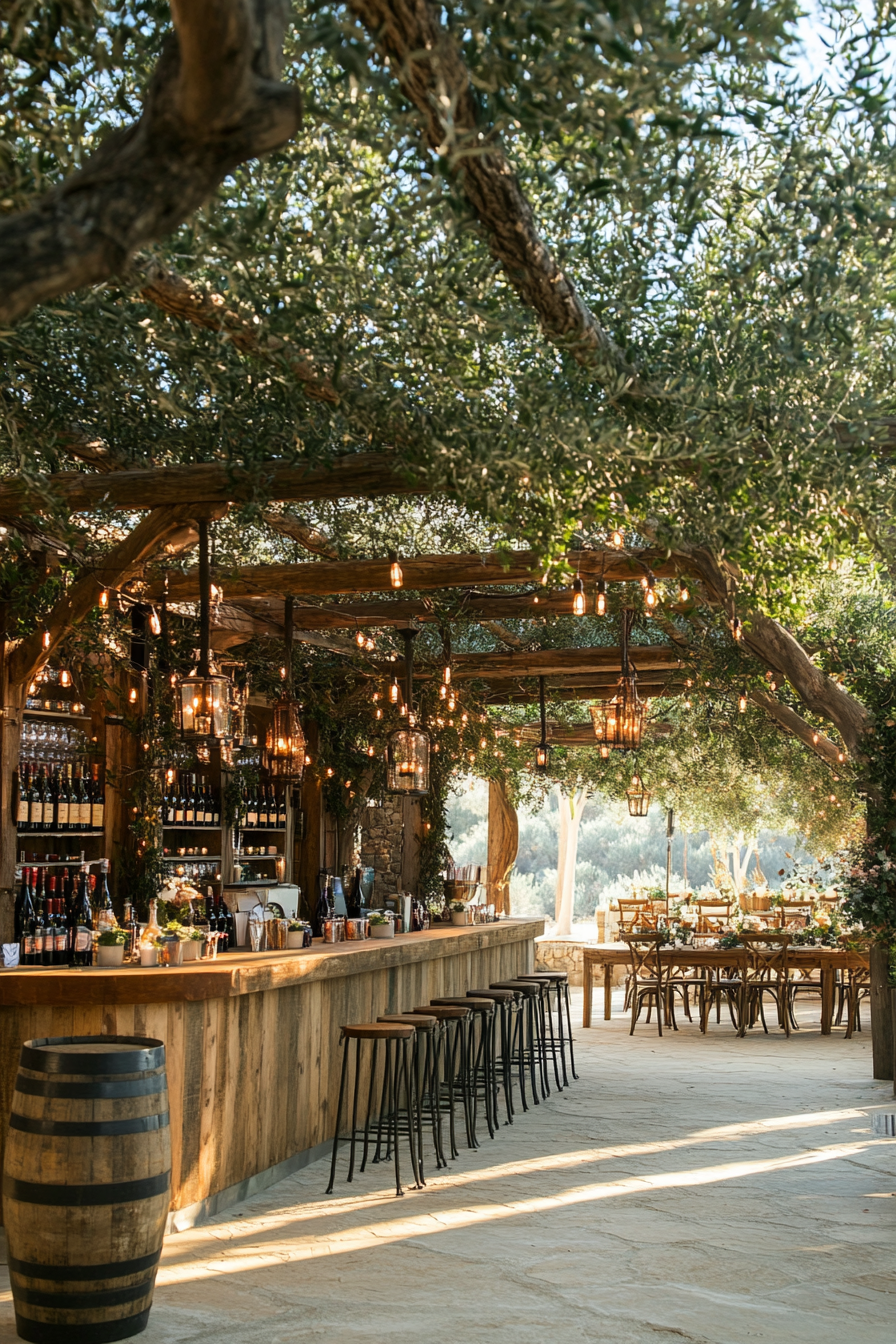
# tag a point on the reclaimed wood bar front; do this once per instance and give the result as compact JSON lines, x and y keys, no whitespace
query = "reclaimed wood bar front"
{"x":252,"y":1040}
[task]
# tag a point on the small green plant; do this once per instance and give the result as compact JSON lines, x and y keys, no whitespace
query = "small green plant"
{"x":377,"y":918}
{"x":295,"y":925}
{"x":113,"y":938}
{"x":457,"y":907}
{"x":196,"y":936}
{"x":729,"y":940}
{"x":174,"y":929}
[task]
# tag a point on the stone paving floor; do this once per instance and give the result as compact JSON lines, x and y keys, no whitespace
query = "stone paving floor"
{"x":689,"y":1188}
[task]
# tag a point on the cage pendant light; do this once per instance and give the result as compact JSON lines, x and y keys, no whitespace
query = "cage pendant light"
{"x":619,"y":723}
{"x":407,"y":749}
{"x":638,"y":797}
{"x":285,"y":738}
{"x":542,"y":751}
{"x":203,"y":702}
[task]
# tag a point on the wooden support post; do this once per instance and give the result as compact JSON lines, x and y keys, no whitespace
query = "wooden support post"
{"x":310,"y":848}
{"x":882,"y":1043}
{"x":12,"y":702}
{"x":503,"y":844}
{"x":412,"y":834}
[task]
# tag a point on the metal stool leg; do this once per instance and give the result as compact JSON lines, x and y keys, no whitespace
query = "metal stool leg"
{"x":338,"y":1114}
{"x":572,"y":1058}
{"x":409,"y":1097}
{"x":351,"y":1160}
{"x":370,"y":1091}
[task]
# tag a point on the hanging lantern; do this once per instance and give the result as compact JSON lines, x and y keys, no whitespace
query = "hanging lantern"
{"x":619,"y":723}
{"x":407,"y":749}
{"x":578,"y":598}
{"x":203,"y":697}
{"x":285,"y":739}
{"x":542,"y":751}
{"x":638,"y":798}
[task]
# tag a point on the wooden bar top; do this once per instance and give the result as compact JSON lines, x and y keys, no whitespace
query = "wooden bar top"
{"x":235,"y":973}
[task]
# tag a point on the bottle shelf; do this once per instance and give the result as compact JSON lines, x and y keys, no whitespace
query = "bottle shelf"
{"x":179,"y":826}
{"x":59,"y":835}
{"x":261,"y":830}
{"x":56,"y":863}
{"x":55,"y":714}
{"x":191,"y":858}
{"x":242,"y":857}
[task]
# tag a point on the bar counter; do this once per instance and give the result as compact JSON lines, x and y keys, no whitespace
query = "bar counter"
{"x":252,"y":1039}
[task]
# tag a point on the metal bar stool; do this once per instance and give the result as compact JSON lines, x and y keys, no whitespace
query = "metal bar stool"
{"x":559,"y":981}
{"x":547,"y":1038}
{"x":426,"y":1058}
{"x":508,"y":1001}
{"x":530,"y":1043}
{"x":455,"y":1075}
{"x":395,"y":1037}
{"x":480,"y":1059}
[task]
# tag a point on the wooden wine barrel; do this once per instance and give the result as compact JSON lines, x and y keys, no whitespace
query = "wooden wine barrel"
{"x":86,"y":1186}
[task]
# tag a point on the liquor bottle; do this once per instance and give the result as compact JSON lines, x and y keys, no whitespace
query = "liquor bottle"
{"x":201,"y":802}
{"x":80,"y":940}
{"x":68,"y":894}
{"x":23,"y":818}
{"x":46,"y":936}
{"x":22,"y":900}
{"x":79,"y":810}
{"x":132,"y":929}
{"x":190,"y":801}
{"x":29,"y":955}
{"x":35,"y":803}
{"x":354,"y":901}
{"x":281,"y":810}
{"x":64,"y":803}
{"x":251,"y":810}
{"x":178,"y":801}
{"x":323,"y":910}
{"x":105,"y":915}
{"x":97,"y":801}
{"x":222,"y":927}
{"x":60,"y":932}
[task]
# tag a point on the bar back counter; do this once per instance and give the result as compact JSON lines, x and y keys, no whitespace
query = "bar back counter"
{"x":252,"y":1040}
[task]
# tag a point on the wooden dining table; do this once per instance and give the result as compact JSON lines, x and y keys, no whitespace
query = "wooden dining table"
{"x":608,"y":955}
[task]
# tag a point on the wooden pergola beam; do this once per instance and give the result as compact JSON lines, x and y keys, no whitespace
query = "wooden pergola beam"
{"x":647,"y":659}
{"x":519,"y":693}
{"x":421,"y":573}
{"x":358,"y":474}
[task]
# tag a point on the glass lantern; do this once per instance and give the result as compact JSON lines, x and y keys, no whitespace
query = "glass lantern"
{"x":619,"y":723}
{"x":286,"y":740}
{"x":204,"y":705}
{"x":407,"y":763}
{"x":542,"y":758}
{"x":638,"y":798}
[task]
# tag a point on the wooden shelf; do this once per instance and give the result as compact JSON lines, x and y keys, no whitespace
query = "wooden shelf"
{"x":56,"y":863}
{"x":59,"y":835}
{"x":180,"y":827}
{"x":55,"y":714}
{"x":262,"y":830}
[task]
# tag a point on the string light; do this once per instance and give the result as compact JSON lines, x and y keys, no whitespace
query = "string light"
{"x":578,"y":598}
{"x":394,"y":692}
{"x":104,"y":599}
{"x":330,"y":772}
{"x":132,"y":696}
{"x":65,"y":678}
{"x":601,"y":601}
{"x":617,"y":537}
{"x":742,"y":702}
{"x":443,"y":691}
{"x":683,"y":592}
{"x":370,"y":644}
{"x":360,"y":639}
{"x":155,"y":624}
{"x":46,"y":639}
{"x":737,"y":629}
{"x":446,"y":674}
{"x":452,"y":703}
{"x":650,"y":598}
{"x":396,"y":578}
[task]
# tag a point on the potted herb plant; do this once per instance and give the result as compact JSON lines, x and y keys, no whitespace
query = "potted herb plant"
{"x":458,"y":912}
{"x":295,"y":934}
{"x":192,"y":944}
{"x":110,"y":947}
{"x":381,"y":926}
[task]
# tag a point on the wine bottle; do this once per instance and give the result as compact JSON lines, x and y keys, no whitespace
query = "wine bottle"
{"x":215,"y":807}
{"x":44,"y":816}
{"x":252,"y":810}
{"x":81,"y":924}
{"x":68,"y":894}
{"x":46,"y":938}
{"x":323,"y":910}
{"x":97,"y":801}
{"x":355,"y":898}
{"x":22,"y":898}
{"x":23,"y":783}
{"x":281,"y":810}
{"x":105,"y":915}
{"x":35,"y":803}
{"x":178,"y":802}
{"x":221,"y":925}
{"x":53,"y":798}
{"x":28,"y":943}
{"x":60,"y":932}
{"x":80,"y":806}
{"x":64,"y":804}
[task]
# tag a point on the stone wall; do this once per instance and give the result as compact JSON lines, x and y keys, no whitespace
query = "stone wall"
{"x":565,"y":954}
{"x":381,"y":845}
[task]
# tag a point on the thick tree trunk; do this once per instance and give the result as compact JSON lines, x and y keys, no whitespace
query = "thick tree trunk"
{"x":213,"y":102}
{"x":503,"y":843}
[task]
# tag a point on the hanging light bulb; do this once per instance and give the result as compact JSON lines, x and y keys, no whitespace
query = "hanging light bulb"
{"x":443,"y":691}
{"x":360,"y":639}
{"x":600,"y":605}
{"x":578,"y":598}
{"x":394,"y":692}
{"x":132,"y":695}
{"x":371,"y":751}
{"x":617,"y":537}
{"x":370,"y":644}
{"x":46,"y":639}
{"x":465,"y":718}
{"x":65,"y":678}
{"x":650,"y":598}
{"x":396,"y":578}
{"x":379,"y":713}
{"x":483,"y":742}
{"x":407,"y":750}
{"x":104,"y":599}
{"x":604,"y":750}
{"x":155,"y":624}
{"x":446,"y":674}
{"x":737,"y":628}
{"x":452,"y":703}
{"x":542,"y":751}
{"x":330,"y":772}
{"x":742,"y":702}
{"x":683,"y":591}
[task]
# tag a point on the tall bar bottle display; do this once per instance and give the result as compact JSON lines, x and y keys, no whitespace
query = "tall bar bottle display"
{"x":81,"y":924}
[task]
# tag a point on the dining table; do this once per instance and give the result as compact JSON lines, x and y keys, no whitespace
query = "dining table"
{"x":827,"y":960}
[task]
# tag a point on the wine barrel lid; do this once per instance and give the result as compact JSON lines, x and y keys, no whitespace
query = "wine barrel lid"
{"x":93,"y":1054}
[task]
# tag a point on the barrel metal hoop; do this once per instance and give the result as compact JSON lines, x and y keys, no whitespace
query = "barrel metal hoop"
{"x":116,"y":1269}
{"x":148,"y":1053}
{"x":80,"y":1196}
{"x":96,"y":1332}
{"x":139,"y":1124}
{"x":101,"y":1090}
{"x":102,"y":1297}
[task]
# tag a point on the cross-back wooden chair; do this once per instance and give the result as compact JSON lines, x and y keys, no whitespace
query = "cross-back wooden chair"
{"x":726,"y":986}
{"x":648,"y":980}
{"x":766,"y":972}
{"x":855,"y":985}
{"x":713,"y":914}
{"x":794,"y":914}
{"x":635,"y":915}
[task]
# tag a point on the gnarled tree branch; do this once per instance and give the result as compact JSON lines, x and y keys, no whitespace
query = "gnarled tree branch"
{"x":433,"y":77}
{"x":306,"y":534}
{"x":213,"y":102}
